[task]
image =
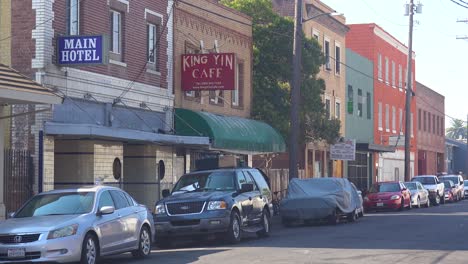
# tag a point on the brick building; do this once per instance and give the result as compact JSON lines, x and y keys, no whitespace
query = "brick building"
{"x":430,"y":107}
{"x":115,"y":125}
{"x":208,"y":27}
{"x":330,"y":32}
{"x":389,"y":57}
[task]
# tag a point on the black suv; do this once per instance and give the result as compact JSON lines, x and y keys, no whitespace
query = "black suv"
{"x":221,"y":201}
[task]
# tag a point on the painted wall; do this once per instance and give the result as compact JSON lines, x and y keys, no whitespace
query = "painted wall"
{"x":359,"y":127}
{"x":5,"y":31}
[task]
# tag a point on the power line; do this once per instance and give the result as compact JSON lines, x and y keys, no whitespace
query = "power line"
{"x":158,"y":40}
{"x":462,"y":5}
{"x":43,"y":22}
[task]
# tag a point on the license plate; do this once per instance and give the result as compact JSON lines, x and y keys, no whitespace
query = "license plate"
{"x":16,"y":253}
{"x":379,"y":204}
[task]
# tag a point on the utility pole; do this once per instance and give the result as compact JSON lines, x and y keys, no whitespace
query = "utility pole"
{"x":411,"y":9}
{"x":295,"y":93}
{"x":409,"y":94}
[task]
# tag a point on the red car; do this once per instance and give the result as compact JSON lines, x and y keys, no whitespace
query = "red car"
{"x":387,"y":195}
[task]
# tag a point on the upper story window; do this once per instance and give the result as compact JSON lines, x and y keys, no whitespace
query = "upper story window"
{"x":424,"y":121}
{"x":116,"y":32}
{"x":337,"y":58}
{"x":338,"y":109}
{"x":419,"y":119}
{"x":151,"y":35}
{"x":73,"y":15}
{"x":380,"y":116}
{"x":400,"y":77}
{"x":327,"y":54}
{"x":327,"y":108}
{"x":237,"y":93}
{"x":387,"y":118}
{"x":316,"y":35}
{"x":350,"y":99}
{"x":359,"y":104}
{"x":379,"y":66}
{"x":393,"y":75}
{"x":386,"y":71}
{"x":368,"y":105}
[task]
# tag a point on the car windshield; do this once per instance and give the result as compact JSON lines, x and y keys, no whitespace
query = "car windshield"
{"x":68,"y":203}
{"x":425,"y":180}
{"x":385,"y":187}
{"x":208,"y":181}
{"x":454,"y":179}
{"x":447,"y":184}
{"x":411,"y":185}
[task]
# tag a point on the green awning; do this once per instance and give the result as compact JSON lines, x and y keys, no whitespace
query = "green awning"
{"x":230,"y":133}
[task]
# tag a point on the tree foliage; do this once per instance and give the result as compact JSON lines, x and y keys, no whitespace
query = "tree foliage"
{"x":457,"y":130}
{"x":272,"y":74}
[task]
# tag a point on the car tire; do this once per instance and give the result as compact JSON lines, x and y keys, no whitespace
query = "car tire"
{"x":418,"y":202}
{"x":144,"y":244}
{"x":266,"y":224}
{"x":410,"y":205}
{"x":333,"y":219}
{"x":352,"y":217}
{"x":428,"y":203}
{"x":437,"y":200}
{"x":233,"y":234}
{"x":402,"y":205}
{"x":90,"y":250}
{"x":442,"y":201}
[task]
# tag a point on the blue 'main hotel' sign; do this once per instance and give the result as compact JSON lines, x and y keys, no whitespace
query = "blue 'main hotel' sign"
{"x":81,"y":50}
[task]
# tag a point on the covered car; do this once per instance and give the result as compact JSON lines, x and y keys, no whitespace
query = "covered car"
{"x":326,"y":199}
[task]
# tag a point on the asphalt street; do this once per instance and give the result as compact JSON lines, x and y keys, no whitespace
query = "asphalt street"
{"x":426,"y":235}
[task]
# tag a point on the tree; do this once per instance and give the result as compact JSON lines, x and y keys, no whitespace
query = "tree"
{"x":272,"y":74}
{"x":457,"y":130}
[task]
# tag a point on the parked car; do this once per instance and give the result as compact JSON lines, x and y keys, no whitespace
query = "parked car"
{"x":459,"y":185}
{"x":319,"y":199}
{"x":76,"y":225}
{"x":451,"y":192}
{"x":222,"y":201}
{"x":360,"y":210}
{"x":387,"y":195}
{"x":419,"y":195}
{"x":434,"y":186}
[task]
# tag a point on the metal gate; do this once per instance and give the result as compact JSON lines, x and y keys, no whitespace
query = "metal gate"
{"x":18,"y":173}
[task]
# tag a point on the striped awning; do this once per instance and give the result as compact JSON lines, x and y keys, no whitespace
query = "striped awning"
{"x":16,"y":88}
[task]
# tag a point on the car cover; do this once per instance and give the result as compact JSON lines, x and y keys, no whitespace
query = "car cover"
{"x":318,"y":198}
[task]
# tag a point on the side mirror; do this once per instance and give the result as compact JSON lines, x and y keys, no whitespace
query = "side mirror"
{"x":10,"y":215}
{"x":359,"y":192}
{"x":453,"y":187}
{"x":105,"y":210}
{"x":247,"y":187}
{"x":166,"y":193}
{"x":404,"y":189}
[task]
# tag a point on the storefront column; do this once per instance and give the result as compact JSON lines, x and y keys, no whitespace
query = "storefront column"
{"x":2,"y":176}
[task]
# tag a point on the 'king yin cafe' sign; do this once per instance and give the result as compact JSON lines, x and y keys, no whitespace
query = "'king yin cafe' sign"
{"x":212,"y":71}
{"x":82,"y":50}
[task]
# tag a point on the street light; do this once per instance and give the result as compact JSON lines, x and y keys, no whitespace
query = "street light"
{"x":296,"y":87}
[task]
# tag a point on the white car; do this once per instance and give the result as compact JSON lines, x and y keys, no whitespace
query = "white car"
{"x":76,"y":225}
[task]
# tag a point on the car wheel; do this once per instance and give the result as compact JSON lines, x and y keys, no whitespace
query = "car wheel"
{"x":89,"y":250}
{"x":144,"y":244}
{"x":402,"y":204}
{"x":410,"y":205}
{"x":361,"y":214}
{"x":333,"y":219}
{"x":437,"y":200}
{"x":265,"y":225}
{"x":442,"y":200}
{"x":418,"y":203}
{"x":233,"y":234}
{"x":428,"y":203}
{"x":352,"y":217}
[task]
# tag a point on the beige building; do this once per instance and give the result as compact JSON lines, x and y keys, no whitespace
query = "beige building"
{"x":330,"y":32}
{"x":206,"y":26}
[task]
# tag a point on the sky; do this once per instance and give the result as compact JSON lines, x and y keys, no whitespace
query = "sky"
{"x":441,"y":58}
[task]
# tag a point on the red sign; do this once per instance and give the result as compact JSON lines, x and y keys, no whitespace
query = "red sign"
{"x":214,"y":71}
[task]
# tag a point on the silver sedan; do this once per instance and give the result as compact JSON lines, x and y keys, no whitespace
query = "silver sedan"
{"x":419,"y":195}
{"x":76,"y":225}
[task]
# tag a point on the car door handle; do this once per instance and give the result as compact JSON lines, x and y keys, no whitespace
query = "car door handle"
{"x":250,"y":198}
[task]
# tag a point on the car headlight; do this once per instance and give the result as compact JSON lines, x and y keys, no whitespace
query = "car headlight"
{"x":63,"y":232}
{"x":366,"y":199}
{"x":217,"y":205}
{"x":160,"y":209}
{"x":395,"y":197}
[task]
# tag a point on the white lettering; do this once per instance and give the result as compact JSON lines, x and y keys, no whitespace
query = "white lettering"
{"x":95,"y":57}
{"x":229,"y":61}
{"x":186,"y":63}
{"x":69,"y":44}
{"x":78,"y":44}
{"x":195,"y":73}
{"x":88,"y":55}
{"x":72,"y":55}
{"x":65,"y":55}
